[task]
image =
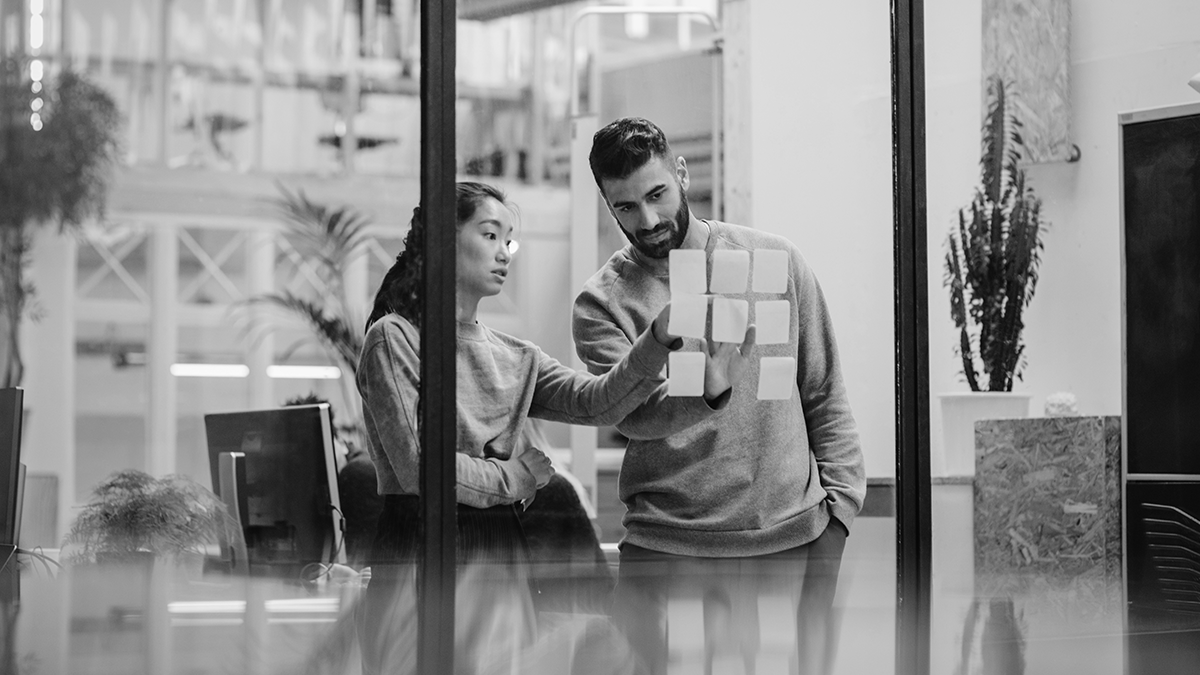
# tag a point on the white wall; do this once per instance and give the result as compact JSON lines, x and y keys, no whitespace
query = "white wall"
{"x":821,"y":176}
{"x":1124,"y":56}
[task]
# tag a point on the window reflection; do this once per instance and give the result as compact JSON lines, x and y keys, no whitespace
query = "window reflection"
{"x":230,"y":107}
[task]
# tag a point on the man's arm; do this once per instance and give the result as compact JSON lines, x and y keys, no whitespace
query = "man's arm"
{"x":832,"y":431}
{"x":602,"y":344}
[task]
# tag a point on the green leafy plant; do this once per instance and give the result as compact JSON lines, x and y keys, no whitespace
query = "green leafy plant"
{"x":132,"y":514}
{"x":329,"y":238}
{"x":993,"y":254}
{"x":56,"y":164}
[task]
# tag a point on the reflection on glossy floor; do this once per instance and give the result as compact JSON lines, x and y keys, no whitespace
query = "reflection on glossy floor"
{"x":155,"y":620}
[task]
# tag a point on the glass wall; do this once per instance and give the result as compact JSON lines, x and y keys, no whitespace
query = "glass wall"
{"x":266,"y":174}
{"x":1041,"y":539}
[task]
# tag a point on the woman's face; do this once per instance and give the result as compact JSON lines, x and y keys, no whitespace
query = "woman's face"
{"x":483,"y":249}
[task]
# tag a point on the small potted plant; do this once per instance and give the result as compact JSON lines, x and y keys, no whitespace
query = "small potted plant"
{"x":134,"y":516}
{"x":992,"y":259}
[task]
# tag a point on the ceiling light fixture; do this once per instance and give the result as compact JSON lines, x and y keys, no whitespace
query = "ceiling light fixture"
{"x":210,"y":370}
{"x":304,"y":372}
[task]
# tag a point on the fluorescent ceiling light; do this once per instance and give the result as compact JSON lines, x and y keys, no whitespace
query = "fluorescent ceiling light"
{"x":303,"y":605}
{"x":304,"y":372}
{"x":36,"y":32}
{"x":209,"y":370}
{"x":207,"y":607}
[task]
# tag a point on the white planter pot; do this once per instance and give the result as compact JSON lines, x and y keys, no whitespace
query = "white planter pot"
{"x":960,"y":412}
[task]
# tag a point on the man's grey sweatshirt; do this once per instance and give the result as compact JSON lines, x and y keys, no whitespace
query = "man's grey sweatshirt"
{"x":754,"y":477}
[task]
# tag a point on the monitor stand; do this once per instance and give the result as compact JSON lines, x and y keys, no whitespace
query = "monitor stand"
{"x":232,"y":489}
{"x":10,"y":576}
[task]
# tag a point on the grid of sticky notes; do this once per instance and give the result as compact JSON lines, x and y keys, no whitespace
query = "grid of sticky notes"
{"x":693,"y":292}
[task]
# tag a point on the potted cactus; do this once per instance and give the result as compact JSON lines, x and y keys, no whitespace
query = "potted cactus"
{"x":991,"y":269}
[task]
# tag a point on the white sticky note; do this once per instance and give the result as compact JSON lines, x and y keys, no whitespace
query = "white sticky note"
{"x":776,"y":378}
{"x":685,"y":374}
{"x":729,"y":273}
{"x":729,"y":319}
{"x":689,"y":315}
{"x":689,"y":272}
{"x":772,"y":321}
{"x":770,"y":271}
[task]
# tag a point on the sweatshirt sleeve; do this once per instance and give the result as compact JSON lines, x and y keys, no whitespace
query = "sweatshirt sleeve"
{"x":832,"y":431}
{"x":566,"y":395}
{"x":602,"y":345}
{"x":389,"y":376}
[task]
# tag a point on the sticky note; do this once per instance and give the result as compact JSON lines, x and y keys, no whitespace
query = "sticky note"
{"x":685,"y":374}
{"x":729,"y":319}
{"x":772,"y":320}
{"x":776,"y":378}
{"x":729,"y":273}
{"x":770,"y":271}
{"x":689,"y":315}
{"x":688,"y":272}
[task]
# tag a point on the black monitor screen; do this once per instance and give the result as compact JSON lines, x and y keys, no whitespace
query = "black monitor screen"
{"x":11,"y":412}
{"x":290,"y":509}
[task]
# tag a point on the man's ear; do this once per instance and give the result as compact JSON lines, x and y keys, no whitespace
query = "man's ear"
{"x":681,"y":173}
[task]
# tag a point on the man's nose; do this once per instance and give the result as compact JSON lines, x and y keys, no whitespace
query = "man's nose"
{"x":647,"y":220}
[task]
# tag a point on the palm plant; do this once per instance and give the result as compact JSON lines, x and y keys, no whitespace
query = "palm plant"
{"x":993,"y":254}
{"x":55,"y":166}
{"x":329,"y":238}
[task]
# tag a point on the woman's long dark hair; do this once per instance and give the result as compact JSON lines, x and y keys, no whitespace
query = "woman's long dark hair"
{"x":400,"y":291}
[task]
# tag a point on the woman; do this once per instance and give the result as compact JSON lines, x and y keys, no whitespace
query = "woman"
{"x":501,"y":381}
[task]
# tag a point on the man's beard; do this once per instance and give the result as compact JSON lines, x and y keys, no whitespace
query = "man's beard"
{"x":679,"y":230}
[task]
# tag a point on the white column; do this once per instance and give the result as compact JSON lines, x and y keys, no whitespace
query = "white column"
{"x":162,"y":347}
{"x":736,"y":108}
{"x":359,"y":296}
{"x":48,"y":445}
{"x":535,"y":162}
{"x":48,"y":346}
{"x":260,"y":352}
{"x":163,"y":93}
{"x":585,"y":236}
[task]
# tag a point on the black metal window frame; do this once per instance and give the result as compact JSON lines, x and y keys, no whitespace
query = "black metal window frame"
{"x":436,"y":567}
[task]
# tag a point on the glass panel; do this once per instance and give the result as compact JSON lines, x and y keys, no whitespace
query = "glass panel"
{"x":209,"y":296}
{"x":244,"y":129}
{"x":1042,"y":557}
{"x":722,"y":593}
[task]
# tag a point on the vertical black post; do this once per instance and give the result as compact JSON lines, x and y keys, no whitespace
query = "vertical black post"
{"x":435,"y":571}
{"x":913,"y":509}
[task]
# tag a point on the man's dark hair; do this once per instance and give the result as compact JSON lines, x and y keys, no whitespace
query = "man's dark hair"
{"x":624,"y":146}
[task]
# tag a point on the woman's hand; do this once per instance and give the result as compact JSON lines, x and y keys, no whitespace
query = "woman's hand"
{"x":726,"y":363}
{"x":538,"y":464}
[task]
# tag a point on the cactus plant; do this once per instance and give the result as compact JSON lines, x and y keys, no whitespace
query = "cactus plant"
{"x":993,"y":254}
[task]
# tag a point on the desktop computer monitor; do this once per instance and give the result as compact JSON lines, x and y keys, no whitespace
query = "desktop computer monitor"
{"x":12,"y":472}
{"x":286,"y":485}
